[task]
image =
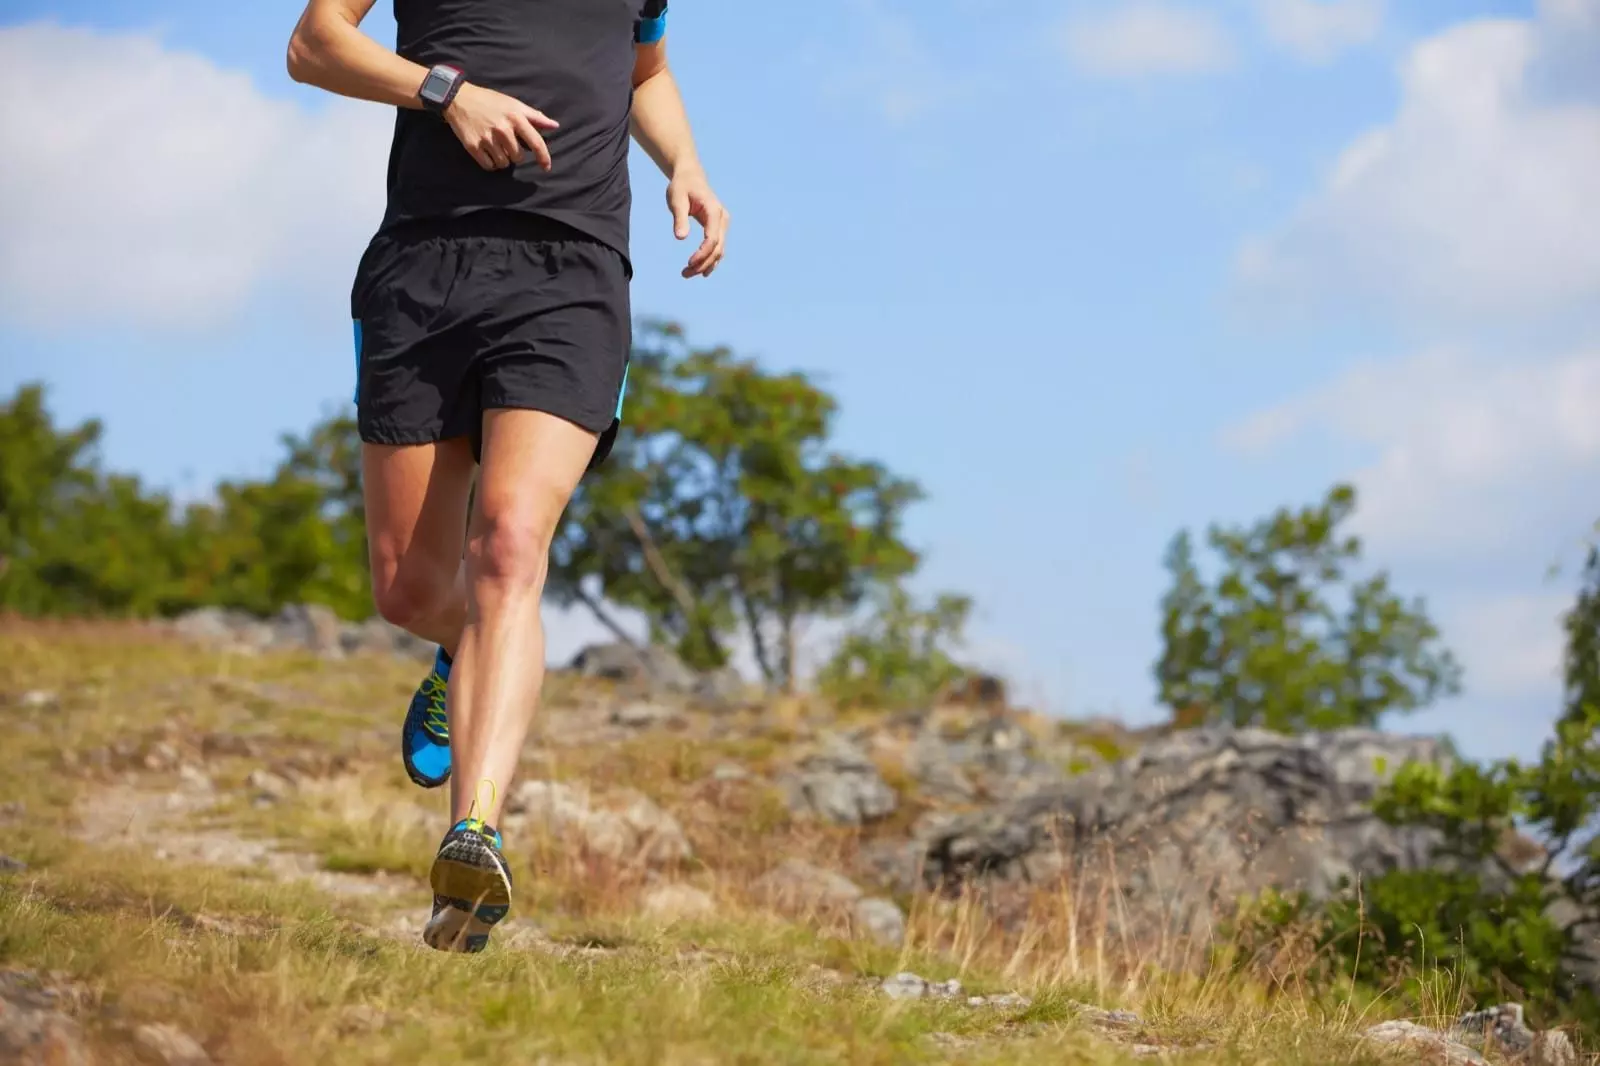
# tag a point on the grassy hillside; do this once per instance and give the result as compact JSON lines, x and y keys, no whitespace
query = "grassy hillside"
{"x":214,"y":857}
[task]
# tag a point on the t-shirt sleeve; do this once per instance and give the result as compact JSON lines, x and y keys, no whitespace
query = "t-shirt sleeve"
{"x":651,"y":24}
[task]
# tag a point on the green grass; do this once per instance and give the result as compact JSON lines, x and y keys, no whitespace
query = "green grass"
{"x":267,"y":971}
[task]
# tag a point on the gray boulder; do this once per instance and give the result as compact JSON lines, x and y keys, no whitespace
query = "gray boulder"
{"x":1196,"y":818}
{"x":653,"y":668}
{"x":837,"y":783}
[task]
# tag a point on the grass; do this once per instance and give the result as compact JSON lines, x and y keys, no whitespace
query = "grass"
{"x":262,"y":968}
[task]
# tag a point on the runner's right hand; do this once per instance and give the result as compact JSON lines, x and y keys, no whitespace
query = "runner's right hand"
{"x":498,"y":129}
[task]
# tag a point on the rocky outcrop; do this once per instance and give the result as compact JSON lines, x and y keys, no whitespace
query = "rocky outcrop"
{"x":837,"y":782}
{"x":1196,"y":818}
{"x":298,"y":627}
{"x":626,"y":826}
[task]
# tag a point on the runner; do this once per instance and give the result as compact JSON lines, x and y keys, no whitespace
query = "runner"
{"x":492,"y":327}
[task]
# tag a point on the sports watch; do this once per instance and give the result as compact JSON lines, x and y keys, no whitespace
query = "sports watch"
{"x":439,"y":87}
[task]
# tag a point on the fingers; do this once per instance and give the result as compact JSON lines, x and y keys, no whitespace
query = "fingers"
{"x":525,"y":134}
{"x":540,"y":120}
{"x":713,"y":219}
{"x":678,"y":202}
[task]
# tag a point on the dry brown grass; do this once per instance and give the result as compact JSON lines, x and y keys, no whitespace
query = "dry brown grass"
{"x":270,"y":967}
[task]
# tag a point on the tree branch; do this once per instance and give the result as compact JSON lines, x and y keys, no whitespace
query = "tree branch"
{"x":658,"y":565}
{"x":604,"y":617}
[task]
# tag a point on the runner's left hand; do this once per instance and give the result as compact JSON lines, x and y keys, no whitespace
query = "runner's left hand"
{"x":689,"y":196}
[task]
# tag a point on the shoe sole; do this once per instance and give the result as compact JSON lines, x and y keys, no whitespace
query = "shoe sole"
{"x":476,"y":896}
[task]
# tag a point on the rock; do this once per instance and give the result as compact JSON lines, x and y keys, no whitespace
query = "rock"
{"x":881,"y":920}
{"x":797,"y":885}
{"x":268,"y":785}
{"x":904,"y":986}
{"x":629,"y":828}
{"x":674,"y":902}
{"x":195,"y":779}
{"x":170,"y":1045}
{"x":653,"y":668}
{"x":1503,"y":1028}
{"x":38,"y":700}
{"x":993,"y":758}
{"x":235,"y":630}
{"x":1197,"y":817}
{"x":643,"y":714}
{"x":910,"y":986}
{"x":1003,"y":1001}
{"x":838,"y":783}
{"x":720,"y":690}
{"x":8,"y":865}
{"x":375,"y":636}
{"x":729,"y":772}
{"x":1109,"y":1019}
{"x":35,"y":1029}
{"x":310,"y":626}
{"x":1414,"y":1035}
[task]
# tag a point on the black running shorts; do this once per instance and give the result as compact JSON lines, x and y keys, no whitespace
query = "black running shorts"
{"x":457,"y":316}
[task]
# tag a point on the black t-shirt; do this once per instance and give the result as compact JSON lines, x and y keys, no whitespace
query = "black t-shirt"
{"x":571,"y":59}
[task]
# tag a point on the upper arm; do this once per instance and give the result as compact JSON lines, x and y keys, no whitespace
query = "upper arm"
{"x":649,"y":40}
{"x":351,"y":11}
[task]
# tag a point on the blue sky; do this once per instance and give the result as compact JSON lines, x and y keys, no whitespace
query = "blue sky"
{"x":1091,"y":272}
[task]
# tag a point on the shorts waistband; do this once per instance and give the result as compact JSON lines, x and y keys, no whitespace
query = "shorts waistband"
{"x":486,"y":223}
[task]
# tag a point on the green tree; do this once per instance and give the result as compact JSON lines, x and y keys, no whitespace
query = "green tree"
{"x":724,"y":509}
{"x":296,"y":537}
{"x":1507,"y":928}
{"x":1285,"y":638}
{"x":72,"y":540}
{"x":901,"y":656}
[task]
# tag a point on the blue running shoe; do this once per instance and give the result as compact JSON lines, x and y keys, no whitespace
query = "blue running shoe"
{"x":471,"y":888}
{"x":425,"y":738}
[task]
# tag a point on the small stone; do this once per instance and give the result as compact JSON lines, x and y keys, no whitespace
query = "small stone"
{"x":904,"y":986}
{"x":1101,"y":1016}
{"x":730,"y":772}
{"x":950,"y":989}
{"x":8,"y":865}
{"x":882,"y":921}
{"x":802,"y":886}
{"x":161,"y":756}
{"x":1003,"y":1001}
{"x":195,"y":779}
{"x":642,"y":715}
{"x":674,"y":902}
{"x":38,"y":700}
{"x":269,"y":785}
{"x":171,"y":1045}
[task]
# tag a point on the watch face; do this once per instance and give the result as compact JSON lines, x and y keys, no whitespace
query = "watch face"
{"x":436,"y":85}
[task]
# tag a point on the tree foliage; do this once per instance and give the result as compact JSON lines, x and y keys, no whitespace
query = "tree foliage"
{"x":725,"y":509}
{"x":1285,"y":638}
{"x":1503,"y":926}
{"x":76,"y":540}
{"x":900,"y":657}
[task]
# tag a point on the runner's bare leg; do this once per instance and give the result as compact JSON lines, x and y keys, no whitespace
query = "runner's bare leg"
{"x":532,"y":462}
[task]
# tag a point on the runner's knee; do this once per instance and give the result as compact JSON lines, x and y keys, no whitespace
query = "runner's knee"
{"x":408,"y":595}
{"x":512,"y":547}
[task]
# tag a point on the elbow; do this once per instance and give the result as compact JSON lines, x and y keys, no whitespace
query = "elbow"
{"x":303,"y":54}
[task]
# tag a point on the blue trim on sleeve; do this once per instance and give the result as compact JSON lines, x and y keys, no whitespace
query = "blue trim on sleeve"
{"x":622,"y":393}
{"x":356,"y":395}
{"x":650,"y":30}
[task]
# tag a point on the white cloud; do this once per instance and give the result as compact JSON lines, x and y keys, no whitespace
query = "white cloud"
{"x":1471,"y":457}
{"x":1145,"y":39}
{"x":1318,"y":30}
{"x":1479,"y":198}
{"x":150,"y":186}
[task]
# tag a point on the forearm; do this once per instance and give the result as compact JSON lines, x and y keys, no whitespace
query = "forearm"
{"x":661,"y":124}
{"x":329,"y":51}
